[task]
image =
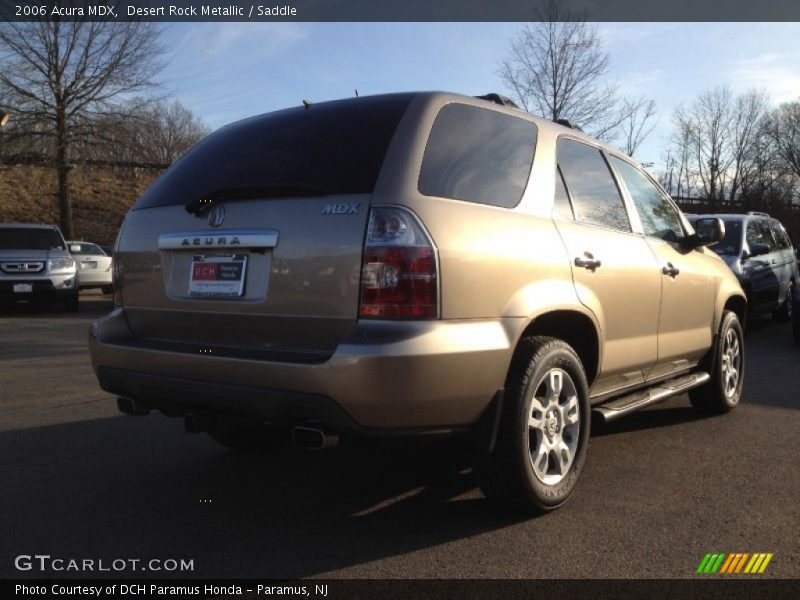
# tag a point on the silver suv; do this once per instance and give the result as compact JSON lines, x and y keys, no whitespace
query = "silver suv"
{"x":36,"y":266}
{"x":420,"y":263}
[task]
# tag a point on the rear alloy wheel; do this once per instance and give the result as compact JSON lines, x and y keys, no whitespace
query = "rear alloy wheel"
{"x":722,"y":392}
{"x":544,"y":429}
{"x":784,"y":313}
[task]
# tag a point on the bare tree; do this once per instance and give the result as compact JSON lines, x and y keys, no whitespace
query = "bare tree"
{"x":555,"y":70}
{"x":637,"y":121}
{"x":746,"y":127}
{"x":156,"y":135}
{"x":783,"y":128}
{"x":705,"y":125}
{"x":65,"y":74}
{"x":170,"y":130}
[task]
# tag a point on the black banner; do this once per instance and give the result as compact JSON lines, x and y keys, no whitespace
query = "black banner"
{"x":407,"y":589}
{"x":394,"y":10}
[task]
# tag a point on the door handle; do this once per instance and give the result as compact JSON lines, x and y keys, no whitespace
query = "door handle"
{"x":671,"y":270}
{"x":774,"y":261}
{"x":587,"y":261}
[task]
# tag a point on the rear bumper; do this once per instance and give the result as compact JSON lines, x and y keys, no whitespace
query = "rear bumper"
{"x":94,"y":278}
{"x":384,"y":375}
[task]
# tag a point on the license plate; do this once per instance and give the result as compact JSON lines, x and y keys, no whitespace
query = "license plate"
{"x":89,"y":264}
{"x":23,"y":288}
{"x":217,"y":275}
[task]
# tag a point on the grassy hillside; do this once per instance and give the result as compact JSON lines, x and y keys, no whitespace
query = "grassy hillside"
{"x":100,"y":198}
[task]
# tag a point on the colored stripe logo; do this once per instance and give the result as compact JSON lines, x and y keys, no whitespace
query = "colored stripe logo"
{"x":735,"y":563}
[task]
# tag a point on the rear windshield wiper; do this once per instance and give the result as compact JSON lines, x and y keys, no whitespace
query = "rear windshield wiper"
{"x":201,"y":205}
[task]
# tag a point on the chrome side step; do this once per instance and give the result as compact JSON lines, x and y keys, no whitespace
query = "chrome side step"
{"x":619,"y":407}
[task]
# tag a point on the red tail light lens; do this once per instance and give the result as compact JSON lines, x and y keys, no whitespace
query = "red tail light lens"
{"x":399,"y":272}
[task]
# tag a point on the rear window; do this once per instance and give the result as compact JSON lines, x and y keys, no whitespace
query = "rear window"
{"x":329,"y":148}
{"x":27,"y":238}
{"x":478,"y":155}
{"x":89,"y":249}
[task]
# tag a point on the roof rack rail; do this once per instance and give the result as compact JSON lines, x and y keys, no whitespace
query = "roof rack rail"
{"x":568,"y":123}
{"x":498,"y":99}
{"x":757,"y":213}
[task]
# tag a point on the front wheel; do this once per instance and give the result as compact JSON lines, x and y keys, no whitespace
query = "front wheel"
{"x":543,"y":433}
{"x":723,"y":391}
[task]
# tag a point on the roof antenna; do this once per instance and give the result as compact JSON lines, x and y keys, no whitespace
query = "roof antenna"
{"x":356,"y":92}
{"x":307,"y":104}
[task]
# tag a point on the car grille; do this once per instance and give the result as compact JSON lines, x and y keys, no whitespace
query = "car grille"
{"x":22,"y":267}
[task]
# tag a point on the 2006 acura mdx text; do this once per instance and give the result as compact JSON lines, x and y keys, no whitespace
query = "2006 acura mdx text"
{"x":417,"y":263}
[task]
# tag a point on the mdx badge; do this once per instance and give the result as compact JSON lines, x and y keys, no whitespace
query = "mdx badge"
{"x":341,"y":209}
{"x":217,"y":215}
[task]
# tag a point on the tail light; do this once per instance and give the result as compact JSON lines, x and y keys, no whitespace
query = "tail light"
{"x":399,"y":276}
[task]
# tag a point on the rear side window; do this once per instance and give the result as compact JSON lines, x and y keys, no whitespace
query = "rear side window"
{"x":328,"y":148}
{"x":478,"y":155}
{"x":29,"y":238}
{"x":780,"y":235}
{"x":659,"y":217}
{"x":89,"y":249}
{"x":595,"y":197}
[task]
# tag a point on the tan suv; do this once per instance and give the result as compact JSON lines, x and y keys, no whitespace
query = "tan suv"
{"x":421,"y":263}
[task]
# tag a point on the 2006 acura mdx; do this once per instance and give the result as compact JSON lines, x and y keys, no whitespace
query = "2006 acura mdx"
{"x":417,"y":263}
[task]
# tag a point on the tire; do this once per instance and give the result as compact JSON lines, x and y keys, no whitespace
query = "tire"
{"x":72,"y":303}
{"x":249,"y":438}
{"x":784,"y":313}
{"x":524,"y":471}
{"x":724,"y":390}
{"x":107,"y":289}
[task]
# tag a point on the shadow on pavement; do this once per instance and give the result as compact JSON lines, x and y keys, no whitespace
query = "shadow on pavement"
{"x":124,"y":487}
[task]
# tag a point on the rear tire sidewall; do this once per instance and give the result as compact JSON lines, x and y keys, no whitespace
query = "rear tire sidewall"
{"x":711,"y":398}
{"x":731,"y":321}
{"x":552,"y":496}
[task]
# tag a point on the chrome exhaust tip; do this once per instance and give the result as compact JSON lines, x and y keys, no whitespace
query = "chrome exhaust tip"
{"x":311,"y":438}
{"x":131,"y":407}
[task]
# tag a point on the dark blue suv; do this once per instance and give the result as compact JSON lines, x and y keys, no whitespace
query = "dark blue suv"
{"x":758,"y":250}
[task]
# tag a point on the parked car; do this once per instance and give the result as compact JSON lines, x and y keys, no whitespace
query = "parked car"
{"x":36,"y":266}
{"x":759,"y":252}
{"x":94,"y":266}
{"x":796,"y":316}
{"x":421,"y":263}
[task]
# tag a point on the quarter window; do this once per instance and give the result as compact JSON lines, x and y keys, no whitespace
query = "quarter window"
{"x":780,"y":235}
{"x":658,"y":215}
{"x":595,"y":197}
{"x":478,"y":155}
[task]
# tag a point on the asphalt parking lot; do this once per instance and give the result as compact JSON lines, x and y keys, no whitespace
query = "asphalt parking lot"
{"x":660,"y":490}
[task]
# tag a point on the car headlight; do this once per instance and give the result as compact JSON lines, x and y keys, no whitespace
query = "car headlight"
{"x":63,"y":263}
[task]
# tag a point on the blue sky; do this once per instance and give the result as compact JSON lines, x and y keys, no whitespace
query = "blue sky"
{"x":229,"y":71}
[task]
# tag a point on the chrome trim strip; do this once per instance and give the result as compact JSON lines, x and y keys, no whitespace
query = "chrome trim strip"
{"x":219,"y":238}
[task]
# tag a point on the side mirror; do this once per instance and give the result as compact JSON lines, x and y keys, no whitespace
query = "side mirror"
{"x":759,"y":249}
{"x":74,"y":248}
{"x":708,"y":231}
